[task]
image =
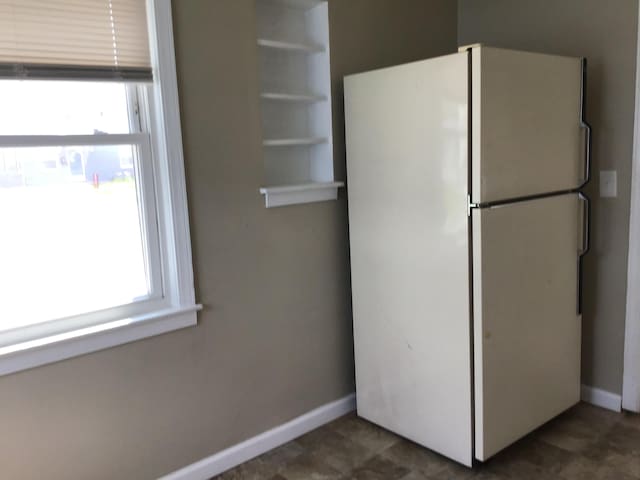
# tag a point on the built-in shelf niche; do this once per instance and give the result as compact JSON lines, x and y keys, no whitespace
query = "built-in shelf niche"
{"x":295,"y":97}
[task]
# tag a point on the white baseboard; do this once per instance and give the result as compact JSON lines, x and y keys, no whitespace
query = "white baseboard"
{"x":245,"y":451}
{"x":601,"y":398}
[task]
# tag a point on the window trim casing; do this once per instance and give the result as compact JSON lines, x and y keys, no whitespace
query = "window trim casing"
{"x":180,"y":308}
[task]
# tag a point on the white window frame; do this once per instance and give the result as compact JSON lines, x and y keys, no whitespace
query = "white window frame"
{"x":176,"y":308}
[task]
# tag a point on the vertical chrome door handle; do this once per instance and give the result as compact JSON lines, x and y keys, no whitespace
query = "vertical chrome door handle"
{"x":584,"y":125}
{"x":584,"y":248}
{"x":586,"y":224}
{"x":587,"y":153}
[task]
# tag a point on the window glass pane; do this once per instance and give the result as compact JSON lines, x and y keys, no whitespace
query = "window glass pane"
{"x":62,"y":108}
{"x":72,"y":236}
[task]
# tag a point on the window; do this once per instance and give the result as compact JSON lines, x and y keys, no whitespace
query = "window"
{"x":95,"y":246}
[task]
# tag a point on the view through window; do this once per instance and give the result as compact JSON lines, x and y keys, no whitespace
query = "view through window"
{"x":76,"y":234}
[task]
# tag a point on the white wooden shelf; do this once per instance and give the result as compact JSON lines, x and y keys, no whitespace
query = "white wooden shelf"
{"x":294,"y":142}
{"x":291,"y":46}
{"x":295,"y":101}
{"x":290,"y":97}
{"x":302,"y":4}
{"x":279,"y":196}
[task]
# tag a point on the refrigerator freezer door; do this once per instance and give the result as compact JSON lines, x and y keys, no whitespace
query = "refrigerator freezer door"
{"x":406,"y":130}
{"x":526,"y":135}
{"x":526,"y":326}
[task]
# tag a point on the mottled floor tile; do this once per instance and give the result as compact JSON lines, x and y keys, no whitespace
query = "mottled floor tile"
{"x":265,"y":466}
{"x":484,"y":475}
{"x":571,"y":432}
{"x":353,"y":414}
{"x":549,"y":458}
{"x":586,"y":469}
{"x":631,"y":420}
{"x":282,"y":456}
{"x":378,"y":468}
{"x":458,"y":472}
{"x":453,"y":471}
{"x":254,"y":469}
{"x":416,"y":457}
{"x":365,"y":433}
{"x":516,"y":469}
{"x":413,"y":475}
{"x":597,"y":417}
{"x":628,"y":464}
{"x":585,"y":443}
{"x":309,"y":467}
{"x":618,"y":443}
{"x":529,"y":459}
{"x":336,"y":450}
{"x":623,"y":439}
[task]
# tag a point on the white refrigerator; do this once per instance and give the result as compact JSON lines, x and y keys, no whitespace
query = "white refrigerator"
{"x":467,"y":229}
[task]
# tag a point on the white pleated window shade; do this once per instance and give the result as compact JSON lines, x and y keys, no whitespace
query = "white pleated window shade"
{"x":91,"y":39}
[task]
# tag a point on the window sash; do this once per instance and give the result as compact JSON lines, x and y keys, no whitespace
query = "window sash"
{"x":148,"y":216}
{"x":100,"y":139}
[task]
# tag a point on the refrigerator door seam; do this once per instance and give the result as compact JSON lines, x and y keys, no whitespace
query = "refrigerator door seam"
{"x":472,"y":366}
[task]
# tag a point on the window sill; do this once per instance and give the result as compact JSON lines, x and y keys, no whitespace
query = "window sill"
{"x":23,"y":356}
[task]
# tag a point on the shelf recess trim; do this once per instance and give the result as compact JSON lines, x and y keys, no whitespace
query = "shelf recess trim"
{"x":280,"y":196}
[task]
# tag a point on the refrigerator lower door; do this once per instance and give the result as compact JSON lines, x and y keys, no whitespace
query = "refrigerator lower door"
{"x":406,"y":130}
{"x":526,"y":326}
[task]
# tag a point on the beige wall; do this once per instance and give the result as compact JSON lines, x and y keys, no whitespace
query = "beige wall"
{"x":605,"y":33}
{"x":275,"y":338}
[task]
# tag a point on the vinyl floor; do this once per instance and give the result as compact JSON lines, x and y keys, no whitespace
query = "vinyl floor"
{"x":585,"y":443}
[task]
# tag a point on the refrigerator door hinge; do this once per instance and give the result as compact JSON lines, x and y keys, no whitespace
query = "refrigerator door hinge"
{"x":470,"y":205}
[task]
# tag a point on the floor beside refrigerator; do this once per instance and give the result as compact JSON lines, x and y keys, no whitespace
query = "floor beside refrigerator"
{"x":584,"y":443}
